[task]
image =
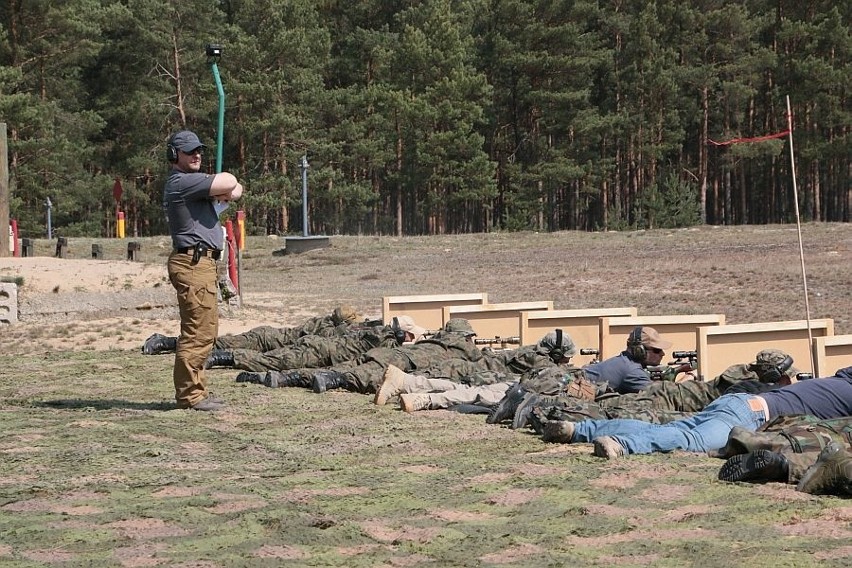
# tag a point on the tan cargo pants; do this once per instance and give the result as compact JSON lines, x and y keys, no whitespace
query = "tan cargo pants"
{"x":199,"y":324}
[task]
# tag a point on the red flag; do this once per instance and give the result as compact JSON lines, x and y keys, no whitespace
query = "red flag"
{"x":116,"y":190}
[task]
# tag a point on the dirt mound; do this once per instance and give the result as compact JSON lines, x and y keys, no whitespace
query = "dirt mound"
{"x":98,"y":304}
{"x":59,"y":275}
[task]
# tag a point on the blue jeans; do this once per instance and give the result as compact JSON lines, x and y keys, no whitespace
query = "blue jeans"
{"x":702,"y":432}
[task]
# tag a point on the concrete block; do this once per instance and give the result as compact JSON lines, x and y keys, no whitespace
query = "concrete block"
{"x":8,"y":302}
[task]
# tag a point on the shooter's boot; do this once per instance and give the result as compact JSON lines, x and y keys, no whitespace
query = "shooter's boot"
{"x":219,"y":358}
{"x":412,"y":402}
{"x":523,"y":413}
{"x":395,"y":381}
{"x":536,"y":412}
{"x":760,"y":465}
{"x":507,"y":406}
{"x":279,"y":379}
{"x":159,"y":343}
{"x":250,"y":377}
{"x":831,"y":474}
{"x":329,"y":380}
{"x":558,"y":431}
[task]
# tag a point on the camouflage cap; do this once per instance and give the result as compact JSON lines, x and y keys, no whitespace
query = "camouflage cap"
{"x":548,"y":342}
{"x":344,"y":313}
{"x":459,"y":325}
{"x":771,"y":357}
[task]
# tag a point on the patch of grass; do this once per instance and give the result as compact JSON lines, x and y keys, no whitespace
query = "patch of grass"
{"x":97,"y":462}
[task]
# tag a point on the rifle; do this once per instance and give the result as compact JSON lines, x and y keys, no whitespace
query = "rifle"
{"x":591,"y":351}
{"x":503,"y":341}
{"x":685,"y":362}
{"x":367,"y":325}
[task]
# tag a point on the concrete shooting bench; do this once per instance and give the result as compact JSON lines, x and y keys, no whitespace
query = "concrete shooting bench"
{"x":719,"y":347}
{"x":582,"y":325}
{"x":427,"y":310}
{"x":679,"y":329}
{"x":831,"y":353}
{"x":495,"y":320}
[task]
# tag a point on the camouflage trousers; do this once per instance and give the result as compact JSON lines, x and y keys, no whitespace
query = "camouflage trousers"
{"x":264,"y":338}
{"x":800,"y":439}
{"x":309,"y":352}
{"x":366,"y":376}
{"x":570,"y":409}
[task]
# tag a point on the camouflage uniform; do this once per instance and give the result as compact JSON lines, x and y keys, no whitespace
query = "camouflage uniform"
{"x":312,"y":351}
{"x":492,"y":368}
{"x":660,"y":403}
{"x":268,"y":338}
{"x":482,"y":383}
{"x":365,"y":373}
{"x":799,"y":439}
{"x":522,"y":364}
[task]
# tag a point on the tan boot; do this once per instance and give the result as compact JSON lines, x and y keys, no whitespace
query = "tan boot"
{"x":411,"y":402}
{"x":558,"y":432}
{"x":393,"y":381}
{"x":607,"y":447}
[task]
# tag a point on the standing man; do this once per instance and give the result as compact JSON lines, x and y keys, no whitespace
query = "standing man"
{"x":197,"y":241}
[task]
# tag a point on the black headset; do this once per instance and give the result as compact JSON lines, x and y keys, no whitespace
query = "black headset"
{"x":398,"y":332}
{"x":773,"y":373}
{"x":171,"y":151}
{"x":635,"y":349}
{"x":557,"y":352}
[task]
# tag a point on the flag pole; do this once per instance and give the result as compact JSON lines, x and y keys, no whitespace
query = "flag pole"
{"x":799,"y":231}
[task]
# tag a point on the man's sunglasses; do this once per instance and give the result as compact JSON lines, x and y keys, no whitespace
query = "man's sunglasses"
{"x":193,"y":152}
{"x":655,"y":350}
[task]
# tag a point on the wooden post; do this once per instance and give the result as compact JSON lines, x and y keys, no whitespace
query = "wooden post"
{"x":4,"y":192}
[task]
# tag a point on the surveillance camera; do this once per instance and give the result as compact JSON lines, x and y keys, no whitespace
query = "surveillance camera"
{"x":213,"y":50}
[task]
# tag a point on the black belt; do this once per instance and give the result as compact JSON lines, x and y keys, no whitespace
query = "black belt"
{"x":212,"y":253}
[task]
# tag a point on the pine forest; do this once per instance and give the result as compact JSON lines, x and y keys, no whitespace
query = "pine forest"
{"x":432,"y":117}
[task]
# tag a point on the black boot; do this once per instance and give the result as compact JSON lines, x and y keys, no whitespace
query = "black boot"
{"x":505,"y":409}
{"x":278,"y":379}
{"x":329,"y":380}
{"x":249,"y":377}
{"x":159,"y":343}
{"x":760,"y":465}
{"x":220,"y":358}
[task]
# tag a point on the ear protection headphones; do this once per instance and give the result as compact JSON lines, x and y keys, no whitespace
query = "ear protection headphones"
{"x":557,"y":352}
{"x":398,"y":332}
{"x":635,"y":349}
{"x":773,"y":373}
{"x":171,"y":152}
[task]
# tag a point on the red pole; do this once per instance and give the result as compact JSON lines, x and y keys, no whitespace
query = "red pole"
{"x":232,"y":257}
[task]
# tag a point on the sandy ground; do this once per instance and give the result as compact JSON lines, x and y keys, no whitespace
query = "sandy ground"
{"x":102,"y":304}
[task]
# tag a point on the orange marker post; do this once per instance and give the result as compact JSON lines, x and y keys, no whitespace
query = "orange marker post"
{"x":241,"y":229}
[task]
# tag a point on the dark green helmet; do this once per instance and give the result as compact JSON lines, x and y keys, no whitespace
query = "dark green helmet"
{"x":459,"y":325}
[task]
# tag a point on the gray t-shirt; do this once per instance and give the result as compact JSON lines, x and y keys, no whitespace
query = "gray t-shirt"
{"x":830,"y":397}
{"x":189,"y":209}
{"x":623,"y":374}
